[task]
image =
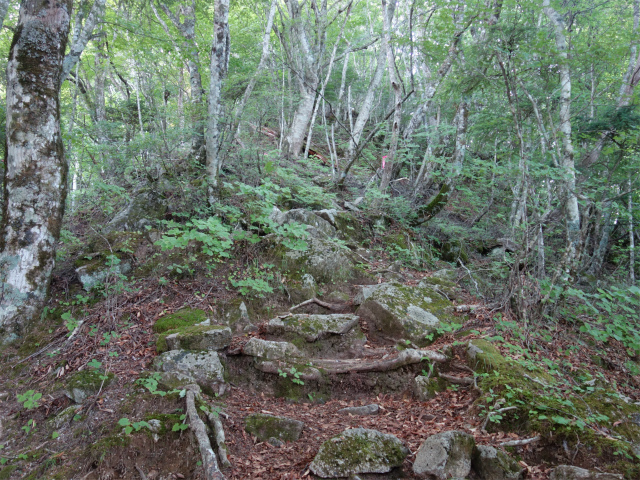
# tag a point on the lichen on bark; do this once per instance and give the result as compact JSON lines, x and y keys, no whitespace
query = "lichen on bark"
{"x":35,"y":176}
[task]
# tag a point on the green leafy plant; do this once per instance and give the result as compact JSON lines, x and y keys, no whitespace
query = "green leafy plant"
{"x":130,"y":427}
{"x":295,"y":375}
{"x":179,"y":427}
{"x":29,"y":399}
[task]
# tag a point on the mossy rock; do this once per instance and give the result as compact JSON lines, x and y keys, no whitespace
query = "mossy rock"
{"x":85,"y":383}
{"x":265,"y":426}
{"x":195,"y":337}
{"x":145,"y":207}
{"x":185,"y":317}
{"x":358,"y":451}
{"x":445,"y":455}
{"x":426,"y":388}
{"x":403,"y":312}
{"x":491,"y":463}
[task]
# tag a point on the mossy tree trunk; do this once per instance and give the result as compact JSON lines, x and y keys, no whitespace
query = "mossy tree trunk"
{"x":35,"y":175}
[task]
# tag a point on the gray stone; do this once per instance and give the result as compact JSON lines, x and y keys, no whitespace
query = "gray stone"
{"x":269,"y":350}
{"x":146,"y":206}
{"x":358,"y":451}
{"x":317,"y":226}
{"x":328,"y":214}
{"x":96,"y":272}
{"x":372,"y":409}
{"x":403,"y":312}
{"x":237,"y":316}
{"x":313,"y":327}
{"x":351,"y":206}
{"x":305,"y":290}
{"x":426,"y":388}
{"x":493,"y":464}
{"x":567,"y":472}
{"x":174,"y":380}
{"x":327,"y":261}
{"x":204,"y":367}
{"x":83,"y":384}
{"x":275,"y":442}
{"x":201,"y":337}
{"x":445,"y":455}
{"x":266,"y":427}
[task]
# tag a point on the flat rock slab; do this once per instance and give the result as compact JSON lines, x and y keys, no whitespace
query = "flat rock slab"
{"x":267,"y":427}
{"x":313,"y":327}
{"x":358,"y":451}
{"x":200,"y":337}
{"x":204,"y":367}
{"x":493,"y":464}
{"x":372,"y":409}
{"x":568,"y":472}
{"x":403,"y":312}
{"x":270,"y":350}
{"x":445,"y":455}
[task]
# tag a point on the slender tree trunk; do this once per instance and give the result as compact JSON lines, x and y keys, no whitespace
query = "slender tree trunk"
{"x":219,"y":66}
{"x":572,"y":211}
{"x":632,"y":246}
{"x":4,"y":7}
{"x":81,"y":35}
{"x":35,"y":177}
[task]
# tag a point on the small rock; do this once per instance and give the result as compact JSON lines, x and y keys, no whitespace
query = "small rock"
{"x":265,"y":427}
{"x":567,"y":472}
{"x":372,"y":409}
{"x":426,"y":388}
{"x":357,"y":451}
{"x":351,"y":206}
{"x":328,"y":214}
{"x":445,"y":455}
{"x":85,"y":383}
{"x":204,"y":367}
{"x":256,"y":347}
{"x":492,"y":464}
{"x":275,"y":442}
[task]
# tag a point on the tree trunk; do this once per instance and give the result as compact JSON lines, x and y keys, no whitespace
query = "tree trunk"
{"x":572,"y":211}
{"x":219,"y":66}
{"x":4,"y":6}
{"x":35,"y":177}
{"x":81,"y":35}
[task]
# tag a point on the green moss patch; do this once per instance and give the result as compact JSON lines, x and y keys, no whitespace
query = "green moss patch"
{"x":184,"y":317}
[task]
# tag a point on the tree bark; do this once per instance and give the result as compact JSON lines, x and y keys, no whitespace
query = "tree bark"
{"x":219,"y":66}
{"x":4,"y":7}
{"x":35,"y":177}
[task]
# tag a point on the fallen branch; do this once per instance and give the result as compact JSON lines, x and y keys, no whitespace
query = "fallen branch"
{"x":209,"y":462}
{"x":330,"y":306}
{"x":519,"y":443}
{"x":141,"y":472}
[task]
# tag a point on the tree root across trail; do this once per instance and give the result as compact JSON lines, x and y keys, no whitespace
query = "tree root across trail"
{"x":209,"y":462}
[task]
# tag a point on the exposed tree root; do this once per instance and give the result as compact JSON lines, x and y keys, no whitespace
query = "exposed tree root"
{"x":209,"y":462}
{"x":331,"y":306}
{"x":214,"y":420}
{"x":518,"y":443}
{"x":316,"y":365}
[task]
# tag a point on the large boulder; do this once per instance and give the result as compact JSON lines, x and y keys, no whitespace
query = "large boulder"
{"x":403,"y":312}
{"x":493,"y":464}
{"x":265,"y":427}
{"x":568,"y":472}
{"x":358,"y":451}
{"x":204,"y":367}
{"x":317,"y":335}
{"x":445,"y":455}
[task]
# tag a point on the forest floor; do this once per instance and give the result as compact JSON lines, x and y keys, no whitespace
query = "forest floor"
{"x":88,"y":442}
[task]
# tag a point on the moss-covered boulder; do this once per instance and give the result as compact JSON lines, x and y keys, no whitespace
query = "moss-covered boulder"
{"x":403,"y":312}
{"x":95,"y":269}
{"x":317,"y":226}
{"x":237,"y":315}
{"x":492,"y":464}
{"x":317,"y":335}
{"x":185,"y":317}
{"x":303,"y":290}
{"x":425,"y":388}
{"x":196,"y":337}
{"x":204,"y":367}
{"x":358,"y":451}
{"x":326,"y":260}
{"x":265,"y":427}
{"x":85,"y":383}
{"x":270,"y":350}
{"x":445,"y":455}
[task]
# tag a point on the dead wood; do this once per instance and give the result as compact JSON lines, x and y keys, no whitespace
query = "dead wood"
{"x":330,"y":306}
